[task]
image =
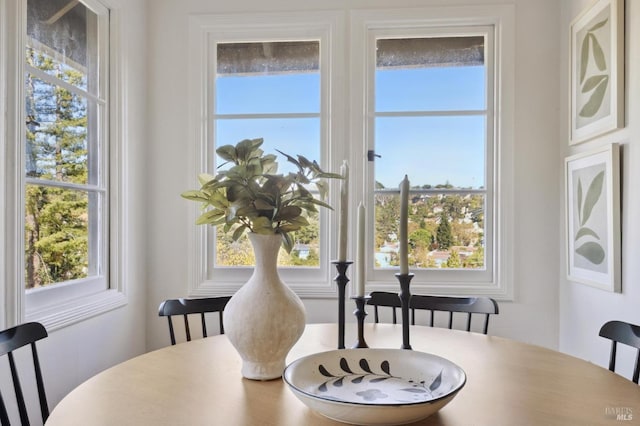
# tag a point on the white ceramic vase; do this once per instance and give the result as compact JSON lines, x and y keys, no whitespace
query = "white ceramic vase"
{"x":265,"y":318}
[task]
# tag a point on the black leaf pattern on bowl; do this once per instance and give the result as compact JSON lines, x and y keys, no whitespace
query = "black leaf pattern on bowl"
{"x":436,"y":382}
{"x":345,"y":366}
{"x":364,"y":364}
{"x":414,"y":390}
{"x":324,"y":371}
{"x":421,"y":386}
{"x":357,"y":377}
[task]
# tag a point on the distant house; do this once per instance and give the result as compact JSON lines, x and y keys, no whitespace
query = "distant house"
{"x":302,"y":250}
{"x":383,"y":256}
{"x":439,"y":257}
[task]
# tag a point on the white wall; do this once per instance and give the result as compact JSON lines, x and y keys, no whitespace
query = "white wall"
{"x":72,"y":354}
{"x":584,"y":309}
{"x":536,"y":144}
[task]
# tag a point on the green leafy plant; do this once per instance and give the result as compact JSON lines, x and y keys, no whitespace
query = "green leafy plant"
{"x":251,"y":196}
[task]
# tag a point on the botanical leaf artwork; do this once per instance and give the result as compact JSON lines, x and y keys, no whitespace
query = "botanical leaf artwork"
{"x":593,"y":251}
{"x":591,"y":52}
{"x":376,"y":383}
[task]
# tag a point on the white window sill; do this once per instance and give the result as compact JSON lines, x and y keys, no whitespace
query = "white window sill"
{"x":73,"y":311}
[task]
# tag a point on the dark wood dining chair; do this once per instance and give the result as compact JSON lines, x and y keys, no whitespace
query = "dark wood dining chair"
{"x":12,"y":339}
{"x":468,"y":305}
{"x":384,"y":299}
{"x":622,"y":332}
{"x":186,"y":307}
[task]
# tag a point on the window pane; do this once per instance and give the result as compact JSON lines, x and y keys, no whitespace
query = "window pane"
{"x":62,"y":41}
{"x":56,"y":141}
{"x":270,"y":77}
{"x":432,"y":151}
{"x":430,"y":89}
{"x":305,"y":252}
{"x":279,"y":82}
{"x":295,"y":93}
{"x":445,"y":231}
{"x":57,"y":223}
{"x":293,"y":136}
{"x":430,"y":74}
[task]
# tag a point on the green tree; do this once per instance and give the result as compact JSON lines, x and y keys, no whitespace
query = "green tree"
{"x":233,"y":253}
{"x":443,"y":233}
{"x":420,"y":238}
{"x":454,"y":260}
{"x":309,"y":234}
{"x":387,"y":211}
{"x":476,"y":260}
{"x":56,"y":219}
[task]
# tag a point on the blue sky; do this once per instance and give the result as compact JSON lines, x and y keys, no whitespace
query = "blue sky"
{"x":430,"y":150}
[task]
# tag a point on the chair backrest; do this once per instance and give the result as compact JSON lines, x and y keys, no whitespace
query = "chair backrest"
{"x":186,"y":307}
{"x":10,"y":340}
{"x":386,"y":299}
{"x":622,"y":332}
{"x":468,"y":305}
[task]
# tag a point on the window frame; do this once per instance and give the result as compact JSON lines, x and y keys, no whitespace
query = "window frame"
{"x":3,"y":160}
{"x":204,"y":32}
{"x":348,"y":118}
{"x":40,"y":298}
{"x":366,"y":26}
{"x":67,"y":302}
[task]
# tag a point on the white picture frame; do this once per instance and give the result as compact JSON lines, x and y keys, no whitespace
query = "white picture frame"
{"x":597,"y":71}
{"x":593,"y":217}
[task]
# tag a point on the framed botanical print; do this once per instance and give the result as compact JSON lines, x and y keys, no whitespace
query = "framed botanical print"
{"x":597,"y":70}
{"x":593,"y":218}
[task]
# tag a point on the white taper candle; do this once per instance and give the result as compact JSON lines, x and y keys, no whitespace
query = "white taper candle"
{"x":404,"y":224}
{"x":344,"y":212}
{"x":360,"y":255}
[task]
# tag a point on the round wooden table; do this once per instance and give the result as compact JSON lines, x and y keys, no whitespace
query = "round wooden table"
{"x":199,"y":383}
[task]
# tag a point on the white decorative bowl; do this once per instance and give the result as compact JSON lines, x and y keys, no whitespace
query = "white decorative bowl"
{"x":374,"y":386}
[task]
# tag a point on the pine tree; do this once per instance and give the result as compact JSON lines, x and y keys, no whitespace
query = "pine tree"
{"x":443,"y":233}
{"x":454,"y":260}
{"x":56,"y":219}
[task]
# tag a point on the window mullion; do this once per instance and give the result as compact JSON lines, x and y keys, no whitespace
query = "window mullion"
{"x":442,"y":113}
{"x":266,"y":116}
{"x":65,"y":185}
{"x":57,"y":82}
{"x":432,"y":191}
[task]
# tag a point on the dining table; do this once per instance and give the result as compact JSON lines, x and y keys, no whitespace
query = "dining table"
{"x":508,"y":382}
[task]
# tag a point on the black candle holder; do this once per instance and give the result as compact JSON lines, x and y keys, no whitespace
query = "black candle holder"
{"x":360,"y":314}
{"x":405,"y":299}
{"x":341,"y":280}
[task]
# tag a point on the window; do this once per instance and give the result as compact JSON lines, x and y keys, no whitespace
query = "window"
{"x":432,"y":122}
{"x":419,"y":95}
{"x":62,"y":176}
{"x":265,"y":77}
{"x":429,"y":97}
{"x":66,"y":200}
